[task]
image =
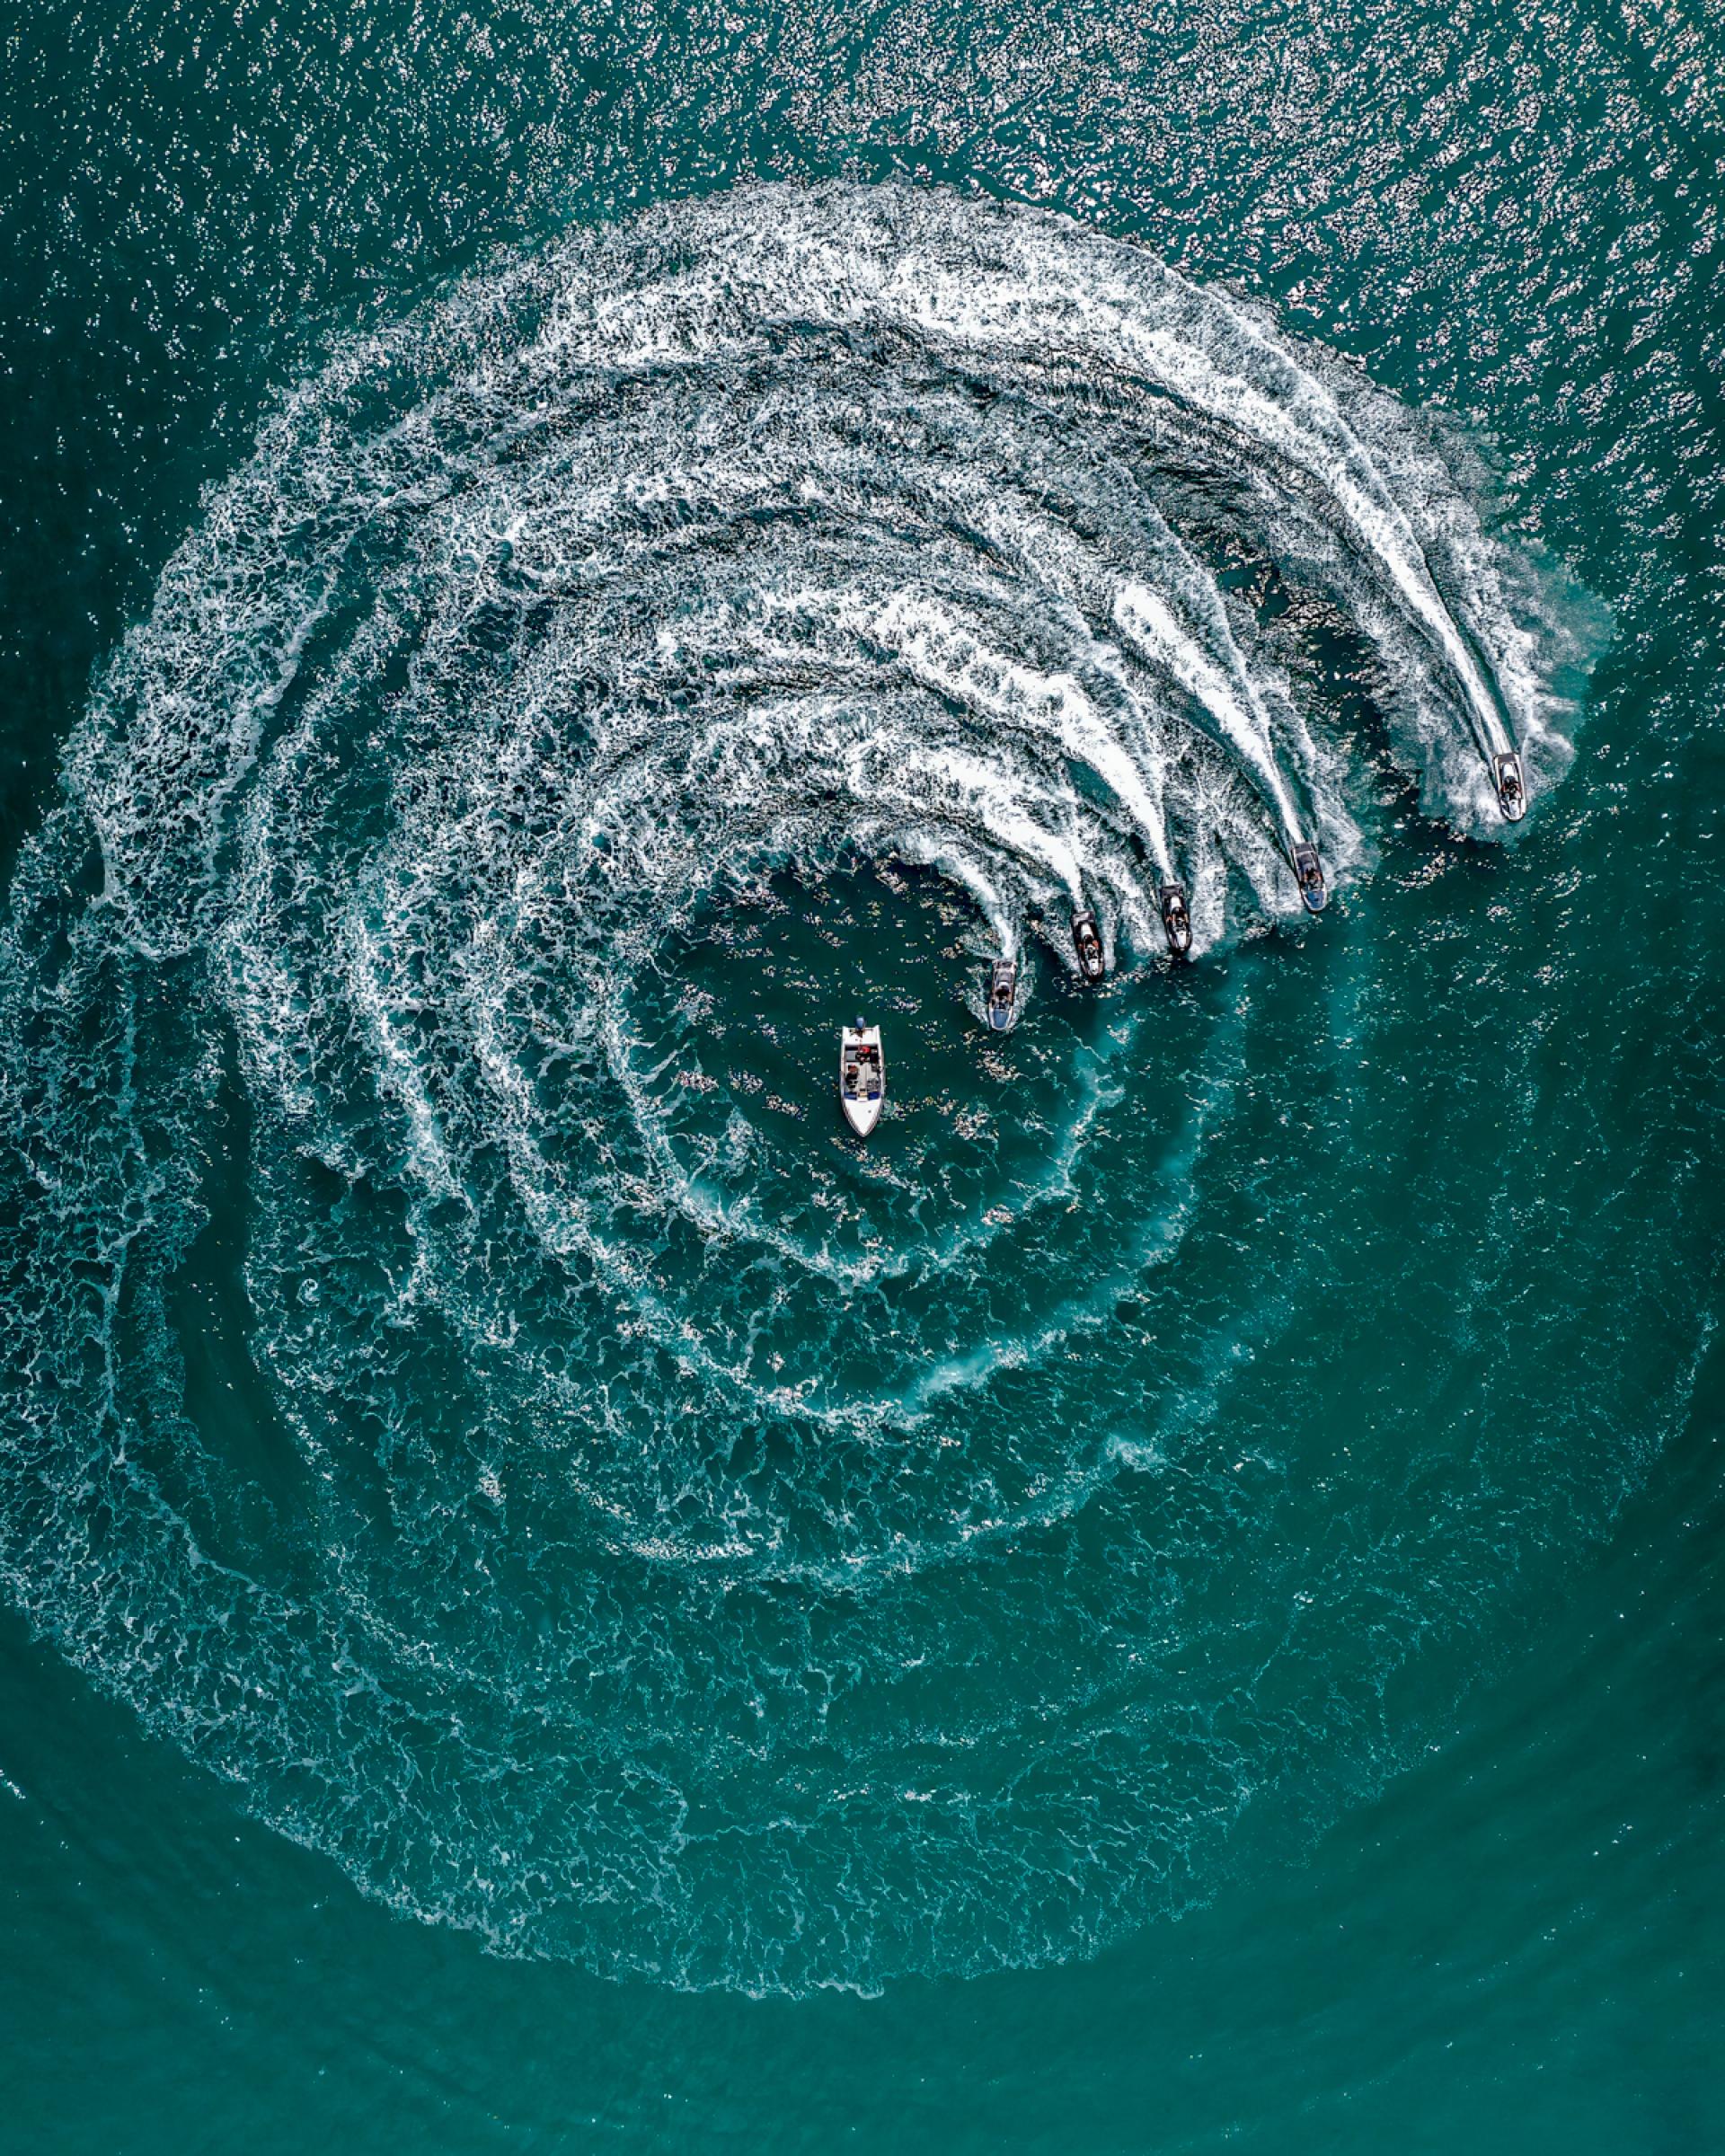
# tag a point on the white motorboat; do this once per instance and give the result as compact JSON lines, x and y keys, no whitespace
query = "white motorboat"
{"x":862,"y":1077}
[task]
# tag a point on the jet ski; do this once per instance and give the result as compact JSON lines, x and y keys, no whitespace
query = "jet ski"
{"x":1308,"y":873}
{"x":1176,"y":921}
{"x":862,"y":1077}
{"x":1003,"y":994}
{"x":1088,"y":944}
{"x":1512,"y":787}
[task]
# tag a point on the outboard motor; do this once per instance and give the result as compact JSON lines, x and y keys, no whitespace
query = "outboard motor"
{"x":1512,"y":788}
{"x":1003,"y":993}
{"x":1308,"y":873}
{"x":1176,"y":921}
{"x":1088,"y":944}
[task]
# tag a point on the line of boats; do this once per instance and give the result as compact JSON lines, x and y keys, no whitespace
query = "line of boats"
{"x":861,"y":1071}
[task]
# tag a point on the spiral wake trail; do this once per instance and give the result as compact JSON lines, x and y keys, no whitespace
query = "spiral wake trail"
{"x":644,"y":640}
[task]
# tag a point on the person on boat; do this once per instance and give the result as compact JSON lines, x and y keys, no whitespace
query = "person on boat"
{"x":1176,"y":919}
{"x":1308,"y":874}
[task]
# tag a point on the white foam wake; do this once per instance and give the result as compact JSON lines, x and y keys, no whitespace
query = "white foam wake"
{"x":636,"y":1469}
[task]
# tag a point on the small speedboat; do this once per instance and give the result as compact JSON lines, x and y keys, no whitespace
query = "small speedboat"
{"x":1512,"y":787}
{"x":861,"y":1076}
{"x":1176,"y":919}
{"x":1003,"y":993}
{"x":1308,"y":873}
{"x":1088,"y":944}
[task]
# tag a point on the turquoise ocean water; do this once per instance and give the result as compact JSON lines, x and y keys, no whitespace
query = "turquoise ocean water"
{"x":550,"y":1603}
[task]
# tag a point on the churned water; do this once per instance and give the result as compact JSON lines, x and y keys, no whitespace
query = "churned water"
{"x":553,"y":1600}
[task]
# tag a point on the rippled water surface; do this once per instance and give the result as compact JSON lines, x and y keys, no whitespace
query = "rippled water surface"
{"x":554,"y":1598}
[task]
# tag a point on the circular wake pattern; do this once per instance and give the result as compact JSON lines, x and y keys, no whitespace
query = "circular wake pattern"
{"x":469,"y":1394}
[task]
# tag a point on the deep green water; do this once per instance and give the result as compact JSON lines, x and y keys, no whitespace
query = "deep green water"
{"x":1178,"y":1599}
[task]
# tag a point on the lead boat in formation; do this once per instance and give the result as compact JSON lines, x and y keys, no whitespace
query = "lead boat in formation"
{"x":1308,"y":873}
{"x":862,"y":1077}
{"x":1003,"y":994}
{"x":1086,"y":941}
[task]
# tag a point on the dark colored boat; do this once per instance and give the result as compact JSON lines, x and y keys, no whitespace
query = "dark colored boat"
{"x":1176,"y":919}
{"x":1003,"y":994}
{"x":1308,"y":873}
{"x":1087,"y":942}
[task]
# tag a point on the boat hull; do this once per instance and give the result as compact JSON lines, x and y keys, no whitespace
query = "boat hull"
{"x":862,"y":1078}
{"x":1511,"y":784}
{"x":1176,"y":920}
{"x":1087,"y":942}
